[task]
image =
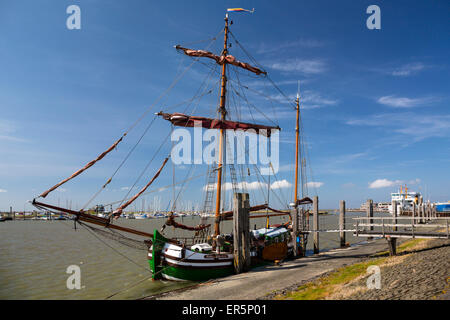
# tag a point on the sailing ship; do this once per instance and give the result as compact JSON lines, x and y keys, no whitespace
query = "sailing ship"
{"x":204,"y":256}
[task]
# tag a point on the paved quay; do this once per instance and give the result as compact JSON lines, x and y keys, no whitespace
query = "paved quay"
{"x":261,"y":281}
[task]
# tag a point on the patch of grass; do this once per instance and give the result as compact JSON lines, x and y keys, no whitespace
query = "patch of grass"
{"x":330,"y":285}
{"x":410,"y":244}
{"x":325,"y":286}
{"x":407,"y":245}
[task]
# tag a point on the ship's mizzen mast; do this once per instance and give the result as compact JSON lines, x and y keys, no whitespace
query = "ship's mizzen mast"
{"x":223,"y":113}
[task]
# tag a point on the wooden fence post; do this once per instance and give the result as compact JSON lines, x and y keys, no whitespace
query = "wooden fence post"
{"x":413,"y":218}
{"x":316,"y":223}
{"x":241,"y":232}
{"x":342,"y":223}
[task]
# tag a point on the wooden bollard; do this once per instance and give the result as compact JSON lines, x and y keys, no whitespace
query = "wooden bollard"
{"x":369,"y":212}
{"x":413,"y":218}
{"x":241,"y":232}
{"x":316,"y":223}
{"x":342,"y":223}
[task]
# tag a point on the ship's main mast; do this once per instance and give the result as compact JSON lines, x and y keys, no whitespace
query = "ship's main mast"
{"x":223,"y":112}
{"x":297,"y":132}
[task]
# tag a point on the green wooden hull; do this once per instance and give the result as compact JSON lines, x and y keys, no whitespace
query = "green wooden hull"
{"x":185,"y":269}
{"x":155,"y":262}
{"x":190,"y":274}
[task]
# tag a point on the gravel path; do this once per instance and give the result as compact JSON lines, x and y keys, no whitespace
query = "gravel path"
{"x":424,"y":274}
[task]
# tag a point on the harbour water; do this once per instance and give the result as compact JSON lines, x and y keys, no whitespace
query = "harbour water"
{"x":34,"y":257}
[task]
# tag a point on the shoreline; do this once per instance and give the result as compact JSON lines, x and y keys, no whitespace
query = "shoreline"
{"x":261,"y":282}
{"x":420,"y":271}
{"x":281,"y":282}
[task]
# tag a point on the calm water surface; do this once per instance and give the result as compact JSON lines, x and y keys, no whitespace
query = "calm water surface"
{"x":34,"y":257}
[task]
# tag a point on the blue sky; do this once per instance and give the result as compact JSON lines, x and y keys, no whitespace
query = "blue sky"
{"x":375,"y":102}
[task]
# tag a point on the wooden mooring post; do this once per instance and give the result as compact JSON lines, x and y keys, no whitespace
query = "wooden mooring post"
{"x":394,"y":214}
{"x":414,"y":209}
{"x":316,"y":223}
{"x":392,"y":242}
{"x":241,"y":232}
{"x":369,"y":212}
{"x":342,"y":223}
{"x":429,"y":211}
{"x":421,"y":210}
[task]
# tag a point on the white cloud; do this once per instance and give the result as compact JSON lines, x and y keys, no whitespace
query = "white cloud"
{"x":384,"y":183}
{"x":61,"y":189}
{"x":314,"y":184}
{"x":308,"y":100}
{"x":415,"y":181}
{"x":6,"y":129}
{"x":403,"y":102}
{"x":311,"y":99}
{"x":349,"y":185}
{"x":408,"y":69}
{"x":125,"y":188}
{"x":11,"y":138}
{"x":416,"y":126}
{"x":254,"y":185}
{"x":308,"y":66}
{"x":280,"y":184}
{"x":305,"y":43}
{"x":3,"y":190}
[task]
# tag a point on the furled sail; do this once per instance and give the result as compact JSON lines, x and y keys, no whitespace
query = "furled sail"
{"x":220,"y":59}
{"x":227,"y":215}
{"x":171,"y":222}
{"x":182,"y":120}
{"x":119,"y":210}
{"x":90,"y":164}
{"x":305,"y":200}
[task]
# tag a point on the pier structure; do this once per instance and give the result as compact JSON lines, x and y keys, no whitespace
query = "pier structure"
{"x":421,"y":222}
{"x":401,"y":226}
